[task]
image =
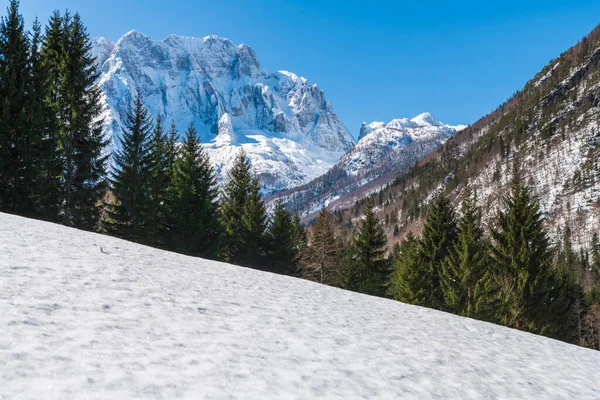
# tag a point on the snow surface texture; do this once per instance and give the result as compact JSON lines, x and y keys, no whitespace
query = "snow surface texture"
{"x":88,"y":316}
{"x":284,"y":123}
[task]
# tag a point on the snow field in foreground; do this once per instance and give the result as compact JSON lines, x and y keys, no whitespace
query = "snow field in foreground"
{"x":88,"y":316}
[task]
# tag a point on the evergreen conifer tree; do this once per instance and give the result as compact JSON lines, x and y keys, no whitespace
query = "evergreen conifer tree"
{"x":160,"y":182}
{"x":16,"y":159}
{"x":235,"y":196}
{"x":196,"y":230}
{"x":369,"y":270}
{"x":131,"y":183}
{"x":80,"y":127}
{"x":283,"y":256}
{"x":254,"y":229}
{"x":44,"y":162}
{"x":408,"y":280}
{"x":300,"y":244}
{"x":469,"y":264}
{"x":439,"y":237}
{"x":532,"y":295}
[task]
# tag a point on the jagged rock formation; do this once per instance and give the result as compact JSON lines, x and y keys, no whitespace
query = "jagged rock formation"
{"x":284,"y":123}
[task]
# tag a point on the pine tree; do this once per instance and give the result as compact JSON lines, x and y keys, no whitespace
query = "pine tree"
{"x":160,"y":181}
{"x":16,"y":159}
{"x":532,"y":295}
{"x":369,"y":269}
{"x":282,"y":242}
{"x":300,"y":242}
{"x":323,"y":262}
{"x":469,"y":264}
{"x":439,"y":237}
{"x":80,"y":126}
{"x":196,"y":230}
{"x":44,"y":165}
{"x":408,"y":282}
{"x":253,"y":229}
{"x":235,"y":195}
{"x":131,"y":183}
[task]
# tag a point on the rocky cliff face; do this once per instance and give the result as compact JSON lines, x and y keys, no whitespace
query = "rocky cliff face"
{"x":284,"y":123}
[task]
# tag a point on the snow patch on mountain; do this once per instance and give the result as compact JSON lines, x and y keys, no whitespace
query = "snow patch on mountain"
{"x":284,"y":123}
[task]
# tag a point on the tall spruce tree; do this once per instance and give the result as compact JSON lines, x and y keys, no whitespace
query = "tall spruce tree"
{"x":16,"y":159}
{"x":282,"y":243}
{"x":467,"y":268}
{"x":439,"y":237}
{"x":132,"y":177}
{"x":300,"y":243}
{"x":44,"y":161}
{"x":234,"y":198}
{"x":368,"y":268}
{"x":160,"y":182}
{"x":532,"y":295}
{"x":196,"y":230}
{"x":80,"y":127}
{"x":408,"y":282}
{"x":254,"y":229}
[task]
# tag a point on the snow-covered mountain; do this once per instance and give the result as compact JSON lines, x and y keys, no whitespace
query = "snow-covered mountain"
{"x":284,"y":123}
{"x":89,"y":316}
{"x":379,"y":141}
{"x":384,"y":151}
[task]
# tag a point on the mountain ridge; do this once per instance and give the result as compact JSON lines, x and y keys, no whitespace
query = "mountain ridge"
{"x":383,"y":151}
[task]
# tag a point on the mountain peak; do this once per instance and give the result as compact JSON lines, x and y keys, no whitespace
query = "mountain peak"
{"x":286,"y":125}
{"x":426,"y":119}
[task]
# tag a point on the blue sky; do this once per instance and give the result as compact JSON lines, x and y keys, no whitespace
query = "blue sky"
{"x":376,"y":60}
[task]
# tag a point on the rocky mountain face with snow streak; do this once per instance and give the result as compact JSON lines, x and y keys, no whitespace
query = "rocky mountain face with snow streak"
{"x":284,"y":123}
{"x":383,"y":151}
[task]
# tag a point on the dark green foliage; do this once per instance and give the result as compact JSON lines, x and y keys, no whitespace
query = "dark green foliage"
{"x":532,"y":295}
{"x":467,"y":270}
{"x":161,"y":157}
{"x":368,"y":269}
{"x":253,"y":229}
{"x":45,"y":164}
{"x":244,"y":218}
{"x":80,"y":128}
{"x":196,"y":229}
{"x":300,"y":241}
{"x":408,"y":280}
{"x":16,"y":141}
{"x":235,"y":196}
{"x":439,"y":238}
{"x":284,"y":239}
{"x":131,"y":183}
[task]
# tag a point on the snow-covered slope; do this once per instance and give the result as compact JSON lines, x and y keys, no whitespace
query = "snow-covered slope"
{"x":284,"y":123}
{"x":89,"y":316}
{"x":382,"y":149}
